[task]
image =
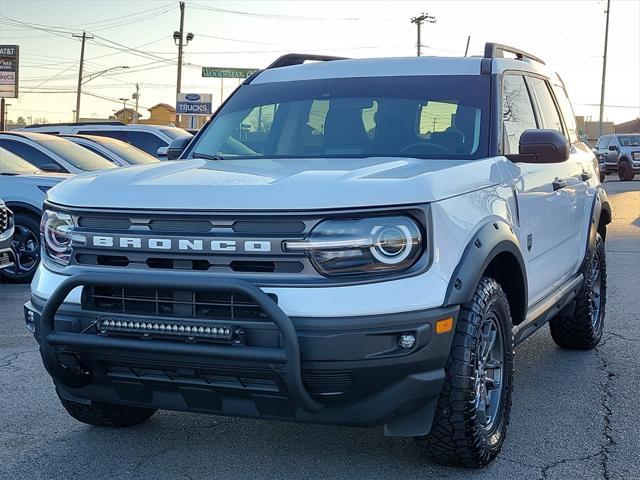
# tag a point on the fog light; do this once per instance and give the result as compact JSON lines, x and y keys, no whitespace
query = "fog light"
{"x":30,"y":319}
{"x":406,"y":340}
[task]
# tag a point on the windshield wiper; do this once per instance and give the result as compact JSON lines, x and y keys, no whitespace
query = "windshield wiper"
{"x":207,"y":156}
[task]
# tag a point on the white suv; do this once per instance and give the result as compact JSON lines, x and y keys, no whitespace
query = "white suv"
{"x":152,"y":139}
{"x":355,"y":242}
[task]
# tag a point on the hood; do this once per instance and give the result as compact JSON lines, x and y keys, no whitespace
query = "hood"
{"x":276,"y":184}
{"x":45,"y":178}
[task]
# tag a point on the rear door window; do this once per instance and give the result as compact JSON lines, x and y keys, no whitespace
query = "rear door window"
{"x":567,"y":112}
{"x":146,"y":142}
{"x":550,"y":118}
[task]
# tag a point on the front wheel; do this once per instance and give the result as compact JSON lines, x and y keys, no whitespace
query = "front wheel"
{"x":625,"y":172}
{"x":582,"y":329}
{"x":471,"y":420}
{"x":26,"y":245}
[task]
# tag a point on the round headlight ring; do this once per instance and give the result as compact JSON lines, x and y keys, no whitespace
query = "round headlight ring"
{"x":386,"y":248}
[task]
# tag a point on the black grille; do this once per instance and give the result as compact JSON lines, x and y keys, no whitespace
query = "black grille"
{"x":172,"y":303}
{"x":105,"y":223}
{"x":4,"y":218}
{"x":288,"y":227}
{"x":180,"y":226}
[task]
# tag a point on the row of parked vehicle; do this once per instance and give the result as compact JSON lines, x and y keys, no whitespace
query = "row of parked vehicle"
{"x":38,"y":157}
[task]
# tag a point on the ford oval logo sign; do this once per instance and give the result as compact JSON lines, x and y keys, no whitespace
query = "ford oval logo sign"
{"x":192,"y":97}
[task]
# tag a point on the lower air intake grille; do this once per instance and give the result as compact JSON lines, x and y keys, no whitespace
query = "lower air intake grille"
{"x":172,"y":303}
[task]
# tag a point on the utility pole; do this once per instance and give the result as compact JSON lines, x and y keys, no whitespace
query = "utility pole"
{"x":2,"y":107}
{"x":136,"y":96}
{"x":180,"y":45}
{"x":419,"y":20}
{"x":84,"y":37}
{"x":466,"y":50}
{"x":604,"y":69}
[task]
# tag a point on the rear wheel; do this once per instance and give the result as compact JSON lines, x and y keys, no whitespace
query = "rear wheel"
{"x":105,"y":414}
{"x":473,"y":410}
{"x":582,"y":329}
{"x":625,"y":172}
{"x":26,"y":244}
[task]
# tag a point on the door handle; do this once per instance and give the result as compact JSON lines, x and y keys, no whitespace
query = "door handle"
{"x":559,"y":183}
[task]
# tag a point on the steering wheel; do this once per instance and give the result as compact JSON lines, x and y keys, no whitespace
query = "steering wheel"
{"x":422,"y":145}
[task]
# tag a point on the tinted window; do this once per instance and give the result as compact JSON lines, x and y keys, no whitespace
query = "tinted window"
{"x":27,"y":152}
{"x":125,"y":151}
{"x":546,"y":106}
{"x":173,"y":132}
{"x":517,"y":111}
{"x":14,"y":165}
{"x":354,"y":117}
{"x":118,"y":134}
{"x":93,"y":149}
{"x":567,"y":112}
{"x":630,"y":140}
{"x":146,"y":142}
{"x":76,"y":155}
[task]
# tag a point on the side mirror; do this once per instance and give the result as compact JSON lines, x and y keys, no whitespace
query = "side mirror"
{"x":613,"y":148}
{"x":162,"y":152}
{"x":52,"y":167}
{"x":542,"y":146}
{"x":177,"y":146}
{"x":594,"y":150}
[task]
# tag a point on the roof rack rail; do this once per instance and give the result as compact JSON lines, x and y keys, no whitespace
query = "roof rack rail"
{"x":300,"y":58}
{"x":496,"y":50}
{"x":64,"y":124}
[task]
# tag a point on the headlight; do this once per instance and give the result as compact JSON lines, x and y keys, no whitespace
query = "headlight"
{"x":56,"y":231}
{"x":7,"y":233}
{"x":362,"y":246}
{"x":636,"y":155}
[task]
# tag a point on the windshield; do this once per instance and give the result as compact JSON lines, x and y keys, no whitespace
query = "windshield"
{"x":11,"y":164}
{"x":127,"y":152}
{"x":174,"y":132}
{"x":76,"y":155}
{"x":418,"y":116}
{"x":630,"y":140}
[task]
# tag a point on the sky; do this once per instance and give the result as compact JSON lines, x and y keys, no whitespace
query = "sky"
{"x":568,"y":35}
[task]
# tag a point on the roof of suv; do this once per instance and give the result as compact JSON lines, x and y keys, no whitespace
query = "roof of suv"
{"x":404,"y":66}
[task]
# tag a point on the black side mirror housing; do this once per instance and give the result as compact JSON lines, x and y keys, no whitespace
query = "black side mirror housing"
{"x":177,"y":146}
{"x":542,"y":146}
{"x":613,"y":148}
{"x":52,"y":167}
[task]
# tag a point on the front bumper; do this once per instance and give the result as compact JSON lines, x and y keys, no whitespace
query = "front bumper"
{"x":343,"y":370}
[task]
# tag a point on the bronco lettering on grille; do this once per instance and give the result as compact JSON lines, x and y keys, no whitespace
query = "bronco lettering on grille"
{"x":181,"y":244}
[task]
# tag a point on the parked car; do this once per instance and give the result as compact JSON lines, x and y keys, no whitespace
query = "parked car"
{"x":355,"y":242}
{"x":24,"y":189}
{"x":52,"y":154}
{"x":153,"y":139}
{"x":7,"y":256}
{"x":621,"y":154}
{"x":120,"y":153}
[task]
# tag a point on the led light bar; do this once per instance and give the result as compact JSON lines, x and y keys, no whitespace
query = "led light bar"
{"x":107,"y":325}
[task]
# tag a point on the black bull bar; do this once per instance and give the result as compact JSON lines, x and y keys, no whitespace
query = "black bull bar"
{"x":290,"y":355}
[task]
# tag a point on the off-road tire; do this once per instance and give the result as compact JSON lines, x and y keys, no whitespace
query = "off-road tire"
{"x":625,"y":172}
{"x":106,"y":415}
{"x":31,"y":223}
{"x":457,"y":438}
{"x":578,"y":330}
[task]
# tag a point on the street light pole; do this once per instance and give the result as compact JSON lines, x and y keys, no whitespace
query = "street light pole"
{"x":136,"y":96}
{"x":604,"y":70}
{"x":84,"y":37}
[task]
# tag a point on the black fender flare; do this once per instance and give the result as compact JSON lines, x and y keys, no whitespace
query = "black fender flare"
{"x":600,"y":210}
{"x":490,"y":240}
{"x":25,"y":207}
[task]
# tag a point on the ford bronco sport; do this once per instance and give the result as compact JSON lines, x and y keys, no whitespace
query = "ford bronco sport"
{"x":353,"y":242}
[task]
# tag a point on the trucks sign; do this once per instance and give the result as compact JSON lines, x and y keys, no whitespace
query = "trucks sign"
{"x":222,"y":72}
{"x":9,"y":71}
{"x":194,"y":104}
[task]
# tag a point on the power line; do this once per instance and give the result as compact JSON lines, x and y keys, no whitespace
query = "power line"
{"x":272,"y":16}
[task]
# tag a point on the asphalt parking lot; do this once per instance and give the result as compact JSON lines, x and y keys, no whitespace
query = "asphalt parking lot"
{"x":575,"y":414}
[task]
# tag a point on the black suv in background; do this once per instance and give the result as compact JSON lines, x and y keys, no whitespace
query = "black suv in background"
{"x":621,"y":154}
